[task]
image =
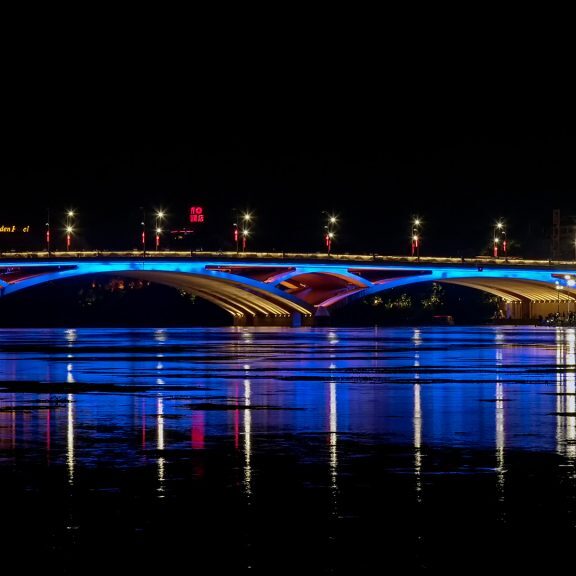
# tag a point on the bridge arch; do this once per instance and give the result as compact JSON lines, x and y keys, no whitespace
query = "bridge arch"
{"x":530,"y":294}
{"x":245,"y":299}
{"x":280,"y":290}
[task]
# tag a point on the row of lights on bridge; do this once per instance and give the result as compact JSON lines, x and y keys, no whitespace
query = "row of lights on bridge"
{"x":243,"y":233}
{"x":242,"y":230}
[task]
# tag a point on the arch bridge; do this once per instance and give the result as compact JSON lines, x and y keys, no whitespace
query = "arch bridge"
{"x":291,"y":289}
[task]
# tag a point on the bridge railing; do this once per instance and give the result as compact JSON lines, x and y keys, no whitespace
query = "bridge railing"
{"x":376,"y":258}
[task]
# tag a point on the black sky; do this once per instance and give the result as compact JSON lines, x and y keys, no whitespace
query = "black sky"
{"x":459,"y":153}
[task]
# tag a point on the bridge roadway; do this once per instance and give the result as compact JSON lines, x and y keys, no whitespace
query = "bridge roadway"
{"x":294,"y":289}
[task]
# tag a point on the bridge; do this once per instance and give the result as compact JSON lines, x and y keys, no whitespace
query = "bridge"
{"x":296,"y":289}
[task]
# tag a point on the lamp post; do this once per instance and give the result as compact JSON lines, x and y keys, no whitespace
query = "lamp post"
{"x":48,"y":231}
{"x":69,"y":228}
{"x":415,"y":238}
{"x":143,"y":235}
{"x":571,"y":282}
{"x":236,"y":230}
{"x":500,"y":233}
{"x":159,"y":217}
{"x":246,"y":219}
{"x":329,"y":233}
{"x":559,"y":287}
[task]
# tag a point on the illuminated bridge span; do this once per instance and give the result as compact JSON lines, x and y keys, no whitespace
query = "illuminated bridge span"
{"x":295,"y":289}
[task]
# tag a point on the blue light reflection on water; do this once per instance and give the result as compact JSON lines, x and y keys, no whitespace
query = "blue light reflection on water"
{"x":500,"y":387}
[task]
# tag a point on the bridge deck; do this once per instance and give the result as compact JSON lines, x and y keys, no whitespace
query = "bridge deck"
{"x":286,"y":256}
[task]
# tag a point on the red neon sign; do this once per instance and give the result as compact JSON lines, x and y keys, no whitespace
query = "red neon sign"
{"x":197,"y":214}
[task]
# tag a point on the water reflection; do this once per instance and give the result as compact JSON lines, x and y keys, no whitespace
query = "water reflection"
{"x":566,"y":393}
{"x":247,"y":439}
{"x":417,"y":420}
{"x":160,"y":444}
{"x":500,"y":429}
{"x":261,"y":428}
{"x":333,"y":438}
{"x":160,"y":335}
{"x":70,"y":460}
{"x":71,"y":336}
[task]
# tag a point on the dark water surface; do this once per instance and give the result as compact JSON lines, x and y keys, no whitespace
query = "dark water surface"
{"x":270,"y":451}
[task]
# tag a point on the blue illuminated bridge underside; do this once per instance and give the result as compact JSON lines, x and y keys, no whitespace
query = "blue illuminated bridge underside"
{"x":292,"y":291}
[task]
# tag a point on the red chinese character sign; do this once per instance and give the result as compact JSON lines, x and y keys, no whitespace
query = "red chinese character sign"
{"x":197,"y":214}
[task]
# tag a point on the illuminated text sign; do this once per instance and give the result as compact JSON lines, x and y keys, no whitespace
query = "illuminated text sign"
{"x":197,"y":214}
{"x":14,"y":229}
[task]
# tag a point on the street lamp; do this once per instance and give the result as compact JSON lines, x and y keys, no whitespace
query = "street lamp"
{"x":558,"y":288}
{"x":143,"y":224}
{"x":329,"y":233}
{"x":69,"y":228}
{"x":246,"y":218}
{"x":415,"y":238}
{"x":329,"y":238}
{"x":48,"y":230}
{"x":159,"y":217}
{"x":236,"y":231}
{"x":500,"y":231}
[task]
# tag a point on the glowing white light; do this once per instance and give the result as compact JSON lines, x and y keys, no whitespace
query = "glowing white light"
{"x":71,"y":336}
{"x":70,"y":440}
{"x":417,"y":422}
{"x":333,"y":436}
{"x":160,"y":445}
{"x":565,"y":393}
{"x":247,"y":439}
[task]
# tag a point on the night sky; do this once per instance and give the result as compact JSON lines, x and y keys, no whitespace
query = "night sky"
{"x":459,"y":166}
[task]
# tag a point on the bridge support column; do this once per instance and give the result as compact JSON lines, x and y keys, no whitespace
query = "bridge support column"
{"x":525,"y":309}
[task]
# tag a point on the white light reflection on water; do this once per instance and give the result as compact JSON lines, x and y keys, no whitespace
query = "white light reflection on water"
{"x":333,"y":438}
{"x":417,"y":415}
{"x":160,"y":335}
{"x":70,"y":440}
{"x":247,"y":439}
{"x":70,"y":336}
{"x":566,"y":393}
{"x":500,"y":432}
{"x":417,"y":421}
{"x":160,"y":444}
